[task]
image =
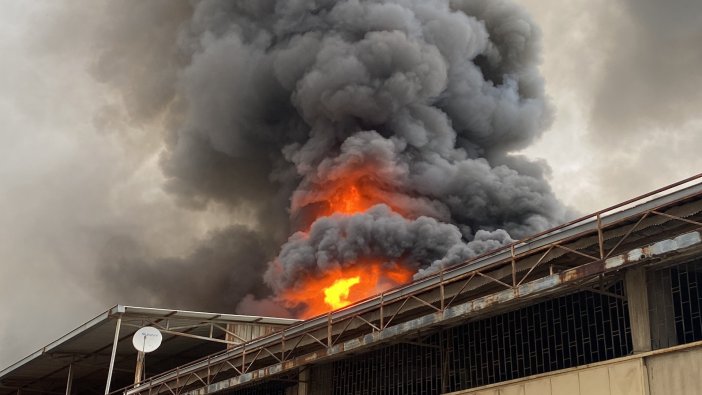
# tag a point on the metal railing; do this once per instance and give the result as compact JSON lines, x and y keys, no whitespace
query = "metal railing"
{"x":588,"y":243}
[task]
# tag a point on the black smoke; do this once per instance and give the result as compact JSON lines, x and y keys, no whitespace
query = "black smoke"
{"x":218,"y":266}
{"x":268,"y":103}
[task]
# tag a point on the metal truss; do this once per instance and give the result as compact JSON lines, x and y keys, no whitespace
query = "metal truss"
{"x":580,"y":254}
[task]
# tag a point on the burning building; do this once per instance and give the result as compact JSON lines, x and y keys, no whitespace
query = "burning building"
{"x":606,"y":304}
{"x":377,"y":143}
{"x":374,"y":137}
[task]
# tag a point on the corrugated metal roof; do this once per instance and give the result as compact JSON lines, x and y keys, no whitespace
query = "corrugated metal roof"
{"x":89,"y":346}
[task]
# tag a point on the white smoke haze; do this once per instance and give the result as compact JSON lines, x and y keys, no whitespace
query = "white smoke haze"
{"x":624,"y":77}
{"x":76,"y":178}
{"x":163,"y":153}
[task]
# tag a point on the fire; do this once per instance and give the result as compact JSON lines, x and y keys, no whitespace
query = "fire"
{"x":349,"y":197}
{"x":337,"y":288}
{"x":347,"y":200}
{"x":337,"y":294}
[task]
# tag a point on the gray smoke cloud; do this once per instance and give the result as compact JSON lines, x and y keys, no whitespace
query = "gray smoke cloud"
{"x":624,"y":78}
{"x":249,"y":114}
{"x":82,"y":181}
{"x":652,"y":80}
{"x":378,"y":233}
{"x":215,"y":276}
{"x":271,"y":105}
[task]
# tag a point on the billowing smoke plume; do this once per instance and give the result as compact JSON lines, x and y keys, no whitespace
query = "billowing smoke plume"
{"x":274,"y":106}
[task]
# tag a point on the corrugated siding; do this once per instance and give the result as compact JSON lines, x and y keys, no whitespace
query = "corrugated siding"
{"x":250,"y":331}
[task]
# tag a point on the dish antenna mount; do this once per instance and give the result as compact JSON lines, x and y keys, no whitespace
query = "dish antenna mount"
{"x":147,"y":339}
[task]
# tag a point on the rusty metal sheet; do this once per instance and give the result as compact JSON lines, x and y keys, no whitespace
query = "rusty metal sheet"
{"x":473,"y":307}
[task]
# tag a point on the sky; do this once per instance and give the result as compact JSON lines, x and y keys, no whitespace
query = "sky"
{"x":623,"y":78}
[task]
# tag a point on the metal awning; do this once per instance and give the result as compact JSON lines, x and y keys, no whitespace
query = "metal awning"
{"x":86,"y":351}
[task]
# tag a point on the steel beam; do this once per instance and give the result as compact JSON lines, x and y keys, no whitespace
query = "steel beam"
{"x":112,"y":356}
{"x":69,"y":380}
{"x":542,"y":286}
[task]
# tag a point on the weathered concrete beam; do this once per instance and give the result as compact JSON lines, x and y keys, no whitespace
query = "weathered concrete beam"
{"x":637,"y":302}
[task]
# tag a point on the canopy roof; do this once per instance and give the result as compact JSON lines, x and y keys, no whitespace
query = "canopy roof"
{"x":187,"y":336}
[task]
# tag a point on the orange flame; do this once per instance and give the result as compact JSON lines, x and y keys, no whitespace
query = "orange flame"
{"x":339,"y":288}
{"x":348,"y":199}
{"x":337,"y":294}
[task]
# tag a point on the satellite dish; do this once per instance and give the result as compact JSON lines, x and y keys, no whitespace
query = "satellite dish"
{"x":147,"y":339}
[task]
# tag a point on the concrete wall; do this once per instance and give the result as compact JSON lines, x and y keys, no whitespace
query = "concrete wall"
{"x":675,"y":371}
{"x":619,"y":378}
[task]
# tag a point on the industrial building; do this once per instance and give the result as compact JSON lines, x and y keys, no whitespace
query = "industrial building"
{"x":610,"y":303}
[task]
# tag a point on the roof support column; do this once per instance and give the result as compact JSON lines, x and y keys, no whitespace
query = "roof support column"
{"x":303,"y":379}
{"x":69,"y":380}
{"x":660,"y":300}
{"x":139,"y":369}
{"x":112,"y":357}
{"x":637,"y":301}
